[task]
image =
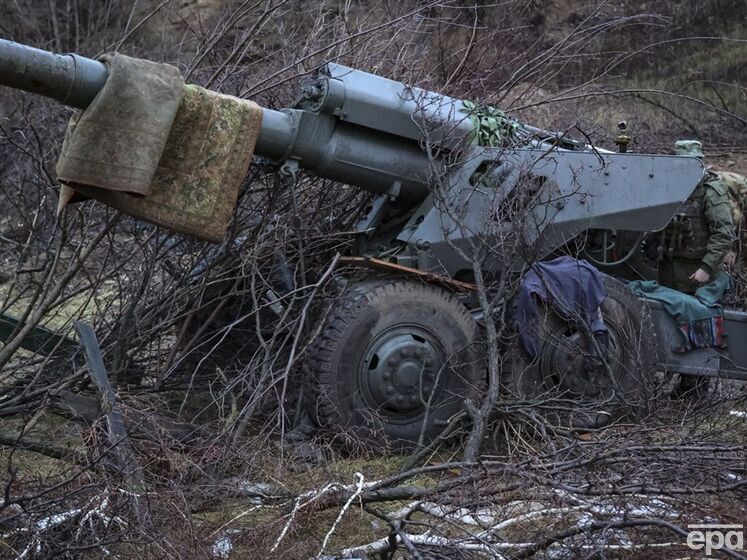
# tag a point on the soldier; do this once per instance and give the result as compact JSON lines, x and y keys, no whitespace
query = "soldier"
{"x":694,"y":244}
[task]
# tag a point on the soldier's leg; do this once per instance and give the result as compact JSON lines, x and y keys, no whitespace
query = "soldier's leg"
{"x":675,"y":274}
{"x":666,"y":273}
{"x":693,"y":387}
{"x":682,"y":271}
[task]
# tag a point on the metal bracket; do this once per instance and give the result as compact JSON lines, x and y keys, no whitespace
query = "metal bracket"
{"x":372,"y":219}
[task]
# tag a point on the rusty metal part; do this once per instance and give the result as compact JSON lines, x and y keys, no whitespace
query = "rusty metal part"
{"x":430,"y":277}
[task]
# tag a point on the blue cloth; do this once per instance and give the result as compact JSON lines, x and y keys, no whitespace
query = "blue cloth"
{"x":685,"y":308}
{"x":574,"y":289}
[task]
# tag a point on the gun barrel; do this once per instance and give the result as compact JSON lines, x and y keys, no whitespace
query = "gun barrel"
{"x":75,"y":80}
{"x":378,"y":161}
{"x":71,"y":79}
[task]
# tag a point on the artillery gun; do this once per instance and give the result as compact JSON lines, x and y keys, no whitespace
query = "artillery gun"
{"x":399,"y":351}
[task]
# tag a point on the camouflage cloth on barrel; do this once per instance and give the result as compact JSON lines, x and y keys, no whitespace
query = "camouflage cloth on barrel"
{"x":195,"y":184}
{"x":116,"y":143}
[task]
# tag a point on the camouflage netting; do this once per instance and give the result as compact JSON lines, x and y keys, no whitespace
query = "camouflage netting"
{"x":194,"y":185}
{"x":491,"y":127}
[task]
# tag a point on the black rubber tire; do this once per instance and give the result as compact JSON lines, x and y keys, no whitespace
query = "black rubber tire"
{"x":633,"y":354}
{"x":337,"y":395}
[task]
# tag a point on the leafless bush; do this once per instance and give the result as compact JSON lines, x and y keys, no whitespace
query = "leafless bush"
{"x":210,"y":337}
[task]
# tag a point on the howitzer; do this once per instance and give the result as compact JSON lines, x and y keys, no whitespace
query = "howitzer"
{"x":375,"y":133}
{"x":400,"y":354}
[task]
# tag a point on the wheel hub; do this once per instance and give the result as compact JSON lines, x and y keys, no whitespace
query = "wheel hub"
{"x":566,"y":361}
{"x":399,"y":369}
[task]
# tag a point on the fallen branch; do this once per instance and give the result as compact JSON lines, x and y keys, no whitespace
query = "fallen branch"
{"x":140,"y":424}
{"x":36,"y":444}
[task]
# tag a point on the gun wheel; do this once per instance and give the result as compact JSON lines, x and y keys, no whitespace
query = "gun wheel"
{"x":394,"y":361}
{"x":563,"y":362}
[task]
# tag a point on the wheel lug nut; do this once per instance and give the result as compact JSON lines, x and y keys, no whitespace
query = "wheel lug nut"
{"x":405,"y":351}
{"x":387,"y":376}
{"x":418,"y":352}
{"x":390,"y":389}
{"x":400,"y":399}
{"x":392,"y":361}
{"x":413,"y":399}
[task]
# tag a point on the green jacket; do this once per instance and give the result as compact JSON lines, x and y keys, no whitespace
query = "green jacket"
{"x":718,"y":218}
{"x":699,"y":236}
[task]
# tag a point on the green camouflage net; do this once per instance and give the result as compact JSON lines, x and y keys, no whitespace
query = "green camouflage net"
{"x":491,"y":127}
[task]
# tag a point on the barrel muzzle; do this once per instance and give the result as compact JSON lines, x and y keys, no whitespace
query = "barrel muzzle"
{"x":69,"y":78}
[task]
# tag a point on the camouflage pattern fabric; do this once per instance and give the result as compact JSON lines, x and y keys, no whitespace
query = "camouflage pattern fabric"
{"x":737,"y":185}
{"x":491,"y":127}
{"x":688,"y":148}
{"x":167,"y":153}
{"x":117,"y":142}
{"x":195,"y":186}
